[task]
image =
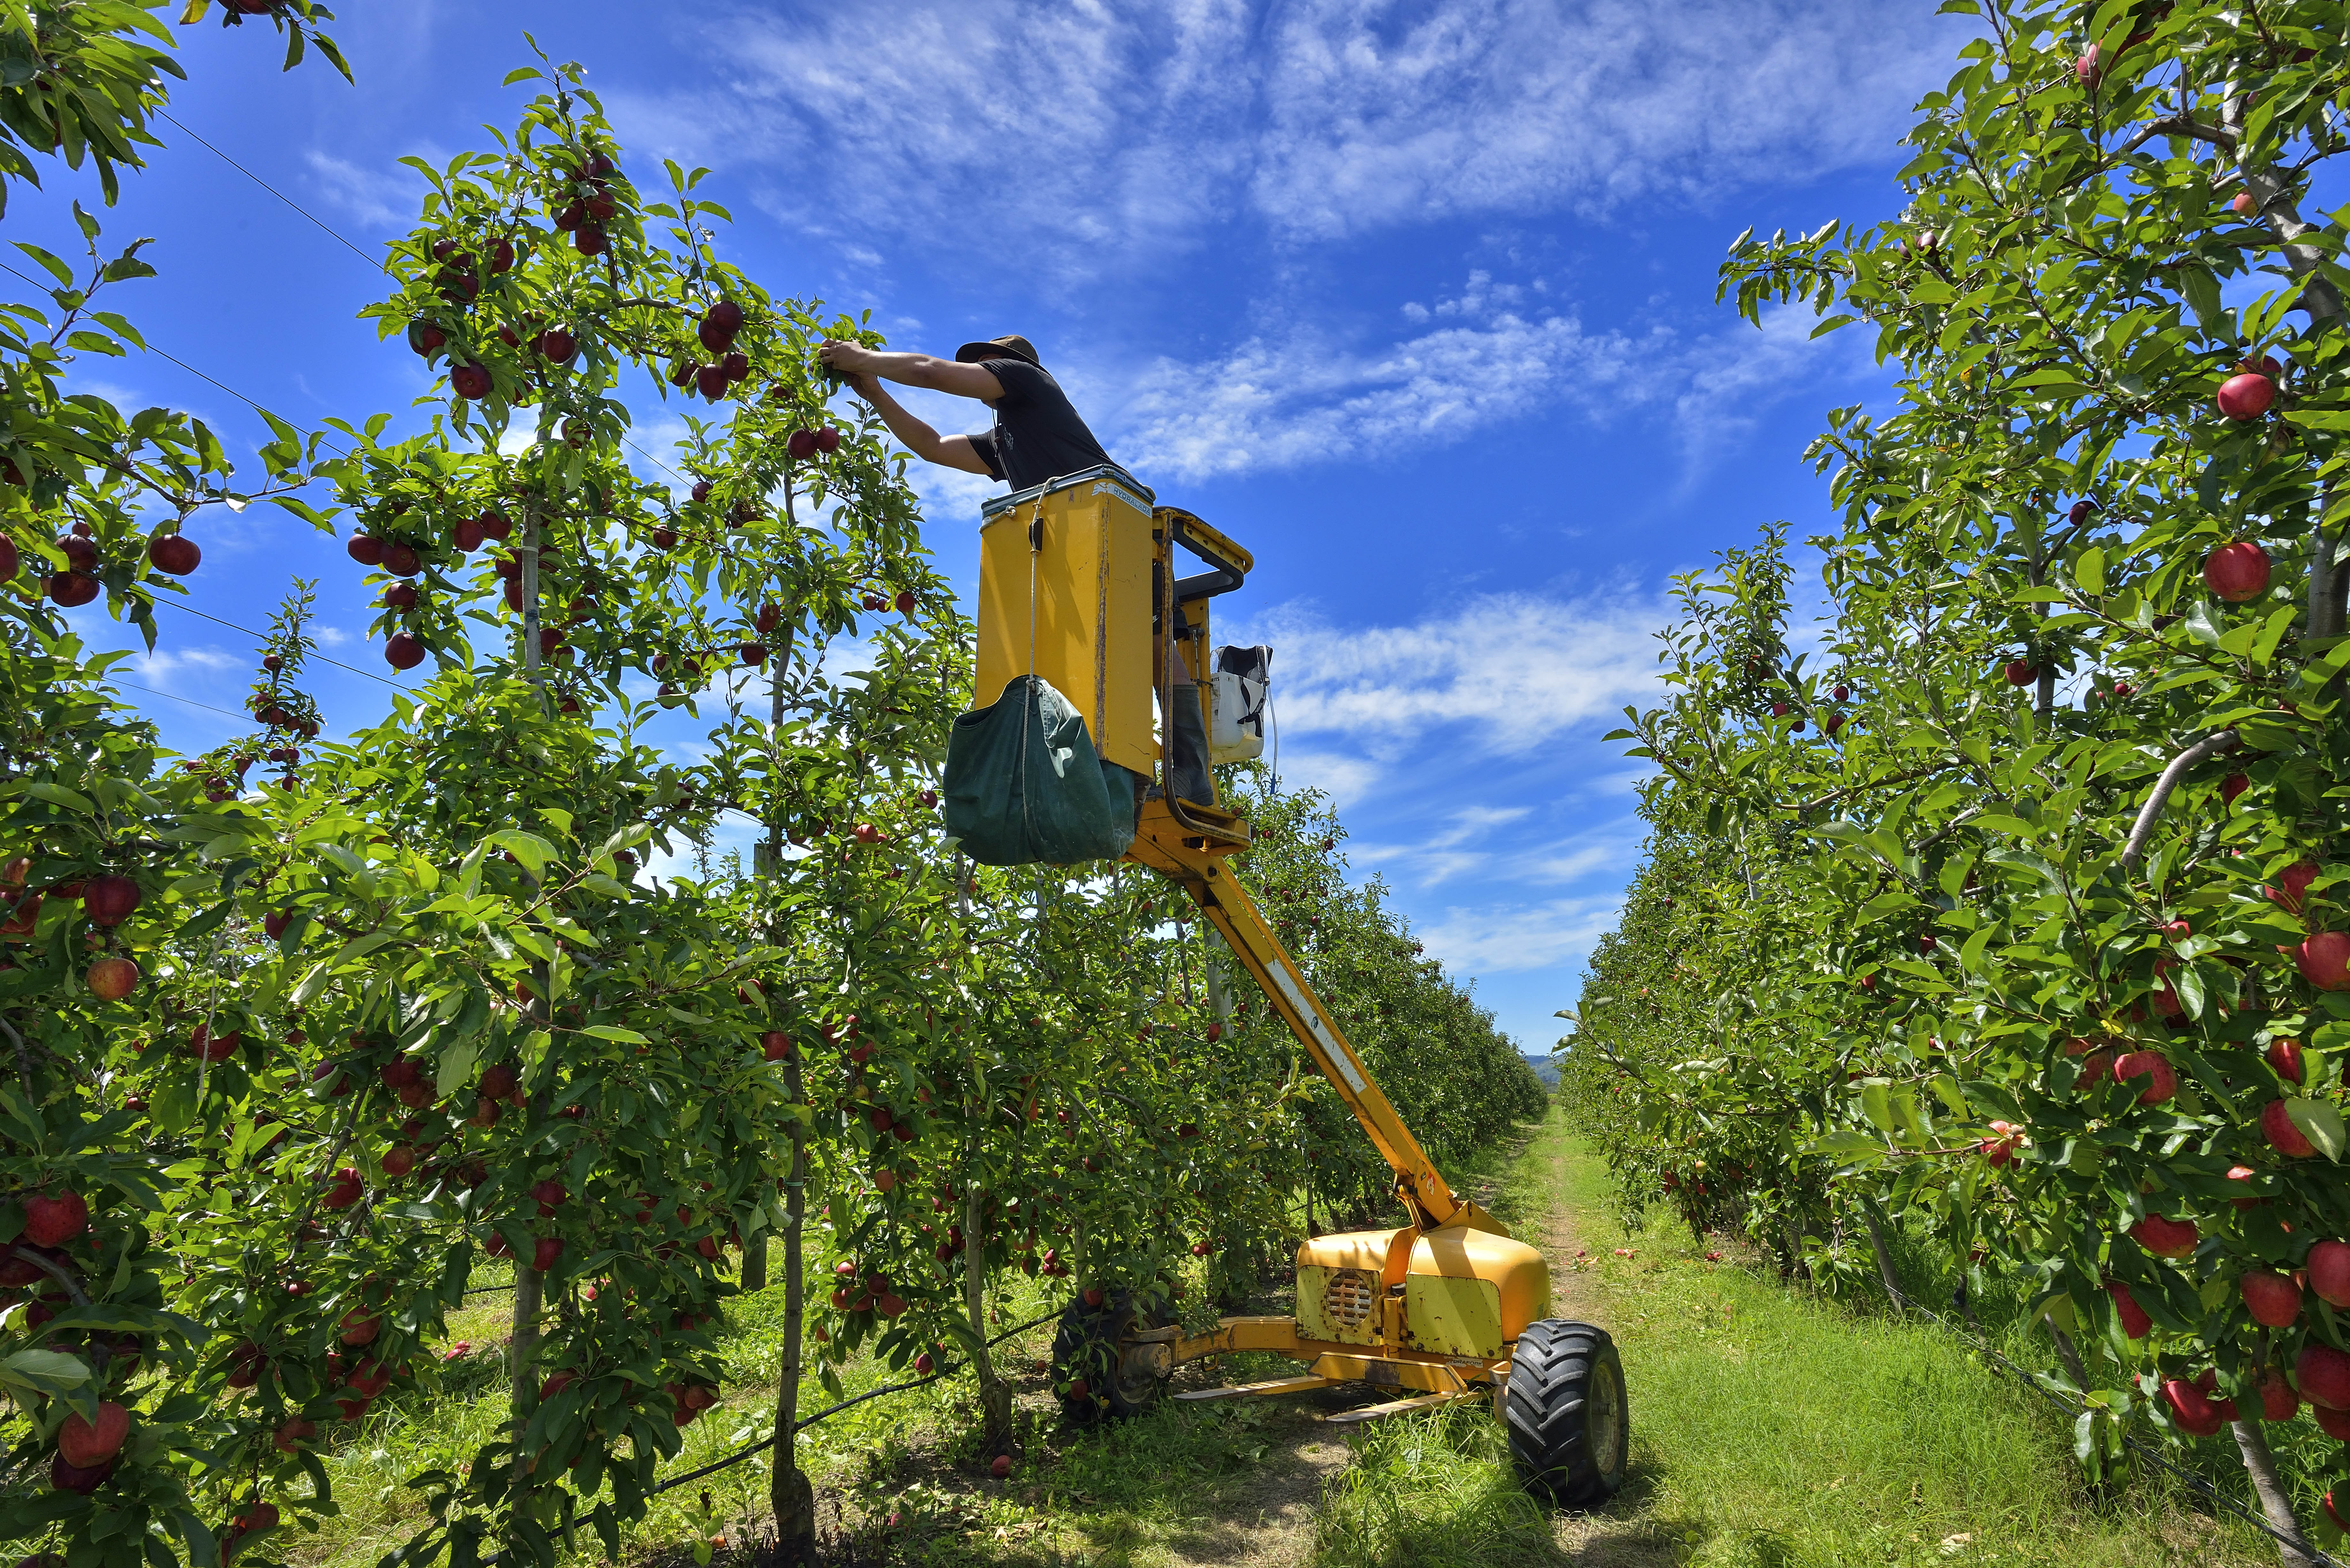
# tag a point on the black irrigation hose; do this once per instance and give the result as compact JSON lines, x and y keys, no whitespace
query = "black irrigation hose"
{"x":2072,"y":1407}
{"x":807,"y":1422}
{"x":739,"y":1455}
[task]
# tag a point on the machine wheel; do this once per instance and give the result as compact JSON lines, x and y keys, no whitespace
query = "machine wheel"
{"x":1568,"y":1422}
{"x":1094,"y":1345}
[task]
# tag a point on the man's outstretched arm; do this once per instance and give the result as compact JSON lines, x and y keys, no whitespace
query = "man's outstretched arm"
{"x":947,"y":451}
{"x":913,"y":370}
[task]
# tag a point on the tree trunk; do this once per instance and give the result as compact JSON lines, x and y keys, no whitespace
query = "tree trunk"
{"x":2065,"y":1352}
{"x":1883,"y":1258}
{"x":754,"y":1264}
{"x":995,"y":1393}
{"x":789,"y":1492}
{"x":2276,"y":1502}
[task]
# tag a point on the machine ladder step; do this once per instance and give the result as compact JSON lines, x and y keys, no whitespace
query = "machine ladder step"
{"x":1393,"y":1407}
{"x":1258,"y":1390}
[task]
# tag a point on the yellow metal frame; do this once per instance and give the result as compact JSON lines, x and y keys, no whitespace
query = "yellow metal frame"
{"x":1449,"y":1283}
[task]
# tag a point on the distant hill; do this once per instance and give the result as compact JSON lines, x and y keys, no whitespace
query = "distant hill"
{"x":1545,"y":1067}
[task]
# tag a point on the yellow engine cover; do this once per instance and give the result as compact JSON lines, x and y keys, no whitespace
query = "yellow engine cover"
{"x":1076,"y":609}
{"x":1466,"y":1290}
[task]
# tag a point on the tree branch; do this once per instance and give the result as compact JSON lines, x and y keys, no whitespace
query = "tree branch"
{"x":2209,"y":746}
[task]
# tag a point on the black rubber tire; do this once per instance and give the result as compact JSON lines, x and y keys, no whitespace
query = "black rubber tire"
{"x":1091,"y":1344}
{"x":1569,"y":1425}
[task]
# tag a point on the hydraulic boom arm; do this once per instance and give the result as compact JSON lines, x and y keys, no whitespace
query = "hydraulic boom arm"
{"x":1189,"y":852}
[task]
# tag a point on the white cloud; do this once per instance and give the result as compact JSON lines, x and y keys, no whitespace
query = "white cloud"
{"x":380,"y":198}
{"x":1096,"y":131}
{"x":165,"y":663}
{"x":1265,"y":404}
{"x":1501,"y":939}
{"x":1499,"y":675}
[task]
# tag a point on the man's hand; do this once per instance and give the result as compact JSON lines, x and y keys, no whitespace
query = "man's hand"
{"x":853,"y":363}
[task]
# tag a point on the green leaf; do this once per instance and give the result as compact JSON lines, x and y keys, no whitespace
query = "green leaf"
{"x":48,"y":1371}
{"x":2321,"y":1124}
{"x":2089,"y":571}
{"x":614,"y":1032}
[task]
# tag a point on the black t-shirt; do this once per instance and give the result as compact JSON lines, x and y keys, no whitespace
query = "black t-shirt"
{"x":1037,"y":435}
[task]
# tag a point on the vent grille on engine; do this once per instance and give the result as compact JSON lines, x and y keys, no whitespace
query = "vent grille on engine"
{"x":1346,"y":1299}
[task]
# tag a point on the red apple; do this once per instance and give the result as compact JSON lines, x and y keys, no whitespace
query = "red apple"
{"x":366,"y":549}
{"x":2322,"y":1376}
{"x":557,"y":344}
{"x":2272,"y":1299}
{"x":546,"y":1252}
{"x":495,"y":525}
{"x":2086,"y":70}
{"x":2276,"y":1126}
{"x":2152,"y":1065}
{"x":2021,"y":673}
{"x":469,"y":381}
{"x":802,"y":445}
{"x":467,"y":536}
{"x":2246,"y":396}
{"x":400,"y":596}
{"x":53,"y":1221}
{"x":402,"y":651}
{"x":111,"y":978}
{"x":173,"y":553}
{"x":1002,"y":1467}
{"x":425,"y":338}
{"x":2291,"y":885}
{"x":72,"y":589}
{"x":2165,"y":1238}
{"x":711,"y":381}
{"x":751,"y":653}
{"x":2333,"y":1513}
{"x":718,"y":325}
{"x":2335,"y":1424}
{"x":2191,"y":1409}
{"x":398,"y":1160}
{"x":2329,"y":1273}
{"x":775,"y":1045}
{"x":2278,"y":1401}
{"x":907,"y":601}
{"x":2325,"y":960}
{"x":109,"y":901}
{"x":2284,"y":1057}
{"x":359,"y":1326}
{"x":828,"y":439}
{"x":401,"y":560}
{"x":2237,"y":572}
{"x":2243,"y":206}
{"x":550,"y":1195}
{"x":2233,"y":785}
{"x":88,"y":1444}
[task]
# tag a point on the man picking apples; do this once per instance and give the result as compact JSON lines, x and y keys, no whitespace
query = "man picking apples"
{"x":1037,"y":434}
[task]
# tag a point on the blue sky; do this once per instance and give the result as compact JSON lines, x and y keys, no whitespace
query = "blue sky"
{"x":1416,"y":301}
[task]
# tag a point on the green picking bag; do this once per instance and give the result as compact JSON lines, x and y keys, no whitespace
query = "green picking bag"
{"x":1024,"y":784}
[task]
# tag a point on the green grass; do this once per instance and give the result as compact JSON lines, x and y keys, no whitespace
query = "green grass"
{"x":1769,"y":1427}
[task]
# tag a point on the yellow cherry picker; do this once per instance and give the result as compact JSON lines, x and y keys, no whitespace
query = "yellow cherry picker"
{"x":1085,"y":630}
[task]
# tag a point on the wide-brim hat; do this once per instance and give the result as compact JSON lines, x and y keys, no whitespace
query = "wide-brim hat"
{"x":1011,"y":345}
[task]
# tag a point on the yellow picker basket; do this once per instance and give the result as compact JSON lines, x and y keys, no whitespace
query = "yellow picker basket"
{"x":1065,"y":594}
